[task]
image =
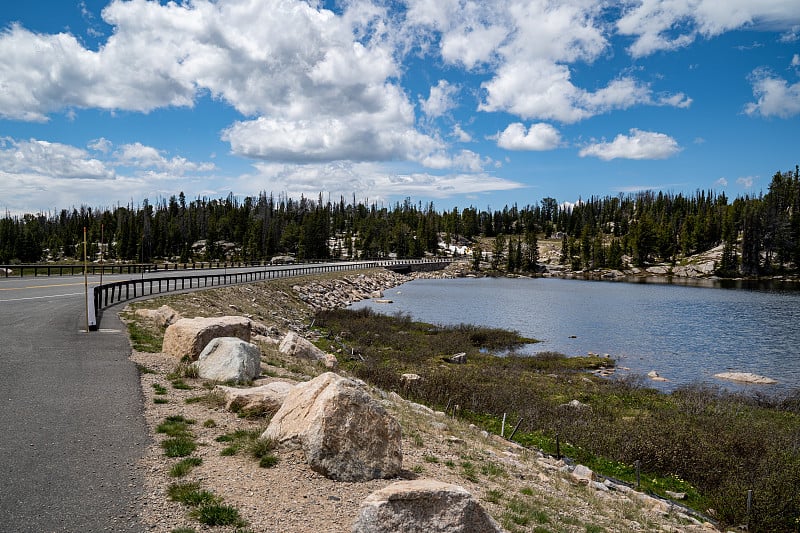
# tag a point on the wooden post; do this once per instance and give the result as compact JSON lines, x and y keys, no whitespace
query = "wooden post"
{"x":503,"y":427}
{"x":85,"y":280}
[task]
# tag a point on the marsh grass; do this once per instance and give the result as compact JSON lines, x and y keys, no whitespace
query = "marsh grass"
{"x":700,"y":440}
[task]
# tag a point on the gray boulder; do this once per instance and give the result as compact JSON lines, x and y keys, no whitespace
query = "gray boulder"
{"x":296,"y":346}
{"x":345,"y":434}
{"x":266,"y":399}
{"x":229,"y":359}
{"x":423,"y":505}
{"x":189,"y":336}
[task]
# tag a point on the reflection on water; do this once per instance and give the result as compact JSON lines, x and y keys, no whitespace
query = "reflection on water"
{"x":685,"y":333}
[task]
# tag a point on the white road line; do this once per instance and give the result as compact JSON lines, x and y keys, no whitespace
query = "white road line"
{"x":43,"y":297}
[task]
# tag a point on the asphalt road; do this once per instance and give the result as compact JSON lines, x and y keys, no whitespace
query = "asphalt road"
{"x":71,"y":424}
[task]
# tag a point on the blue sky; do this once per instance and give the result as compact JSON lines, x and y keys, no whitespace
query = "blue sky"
{"x":457,"y":102}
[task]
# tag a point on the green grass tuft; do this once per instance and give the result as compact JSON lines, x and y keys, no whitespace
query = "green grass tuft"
{"x":183,"y":467}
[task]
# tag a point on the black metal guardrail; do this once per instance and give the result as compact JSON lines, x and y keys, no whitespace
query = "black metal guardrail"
{"x":119,"y":291}
{"x":36,"y":269}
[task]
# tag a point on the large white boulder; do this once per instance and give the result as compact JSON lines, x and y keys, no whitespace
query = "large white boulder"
{"x":265,"y":399}
{"x":423,"y":505}
{"x":346,"y":435}
{"x":229,"y":359}
{"x":188,"y":336}
{"x":297,"y":346}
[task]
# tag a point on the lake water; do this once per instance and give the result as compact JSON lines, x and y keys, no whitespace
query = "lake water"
{"x":686,"y":334}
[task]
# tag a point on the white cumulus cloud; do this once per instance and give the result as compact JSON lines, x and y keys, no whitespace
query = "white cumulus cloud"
{"x":668,"y":25}
{"x":775,"y":97}
{"x":442,"y":99}
{"x":537,"y":137}
{"x":638,"y":145}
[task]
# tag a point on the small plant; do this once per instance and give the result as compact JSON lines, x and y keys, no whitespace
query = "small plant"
{"x":430,"y":459}
{"x":527,"y":491}
{"x":183,"y":530}
{"x":190,"y":494}
{"x":468,"y":471}
{"x":210,"y":423}
{"x":175,"y":426}
{"x":217,"y":514}
{"x":160,"y":389}
{"x":418,"y":469}
{"x":228,"y":451}
{"x":160,"y":400}
{"x":268,"y":461}
{"x":183,"y":467}
{"x":144,"y":369}
{"x":494,"y":496}
{"x":180,"y":384}
{"x":178,"y":446}
{"x":449,"y":464}
{"x":492,"y":470}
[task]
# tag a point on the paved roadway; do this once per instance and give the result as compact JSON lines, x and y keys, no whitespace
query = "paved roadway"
{"x":71,"y":424}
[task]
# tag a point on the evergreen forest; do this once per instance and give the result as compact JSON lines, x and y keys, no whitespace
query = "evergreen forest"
{"x":759,"y":235}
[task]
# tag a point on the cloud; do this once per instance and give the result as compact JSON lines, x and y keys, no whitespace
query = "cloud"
{"x":638,"y":145}
{"x":460,"y":134}
{"x":441,"y":99}
{"x":722,"y":182}
{"x":658,"y":26}
{"x":370,"y":181}
{"x":59,"y":161}
{"x":37,"y":175}
{"x":796,"y":60}
{"x":100,"y":145}
{"x":538,"y":137}
{"x":147,"y":157}
{"x":774,"y":96}
{"x":746,"y":181}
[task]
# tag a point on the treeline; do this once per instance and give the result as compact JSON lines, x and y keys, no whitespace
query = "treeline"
{"x":760,"y":234}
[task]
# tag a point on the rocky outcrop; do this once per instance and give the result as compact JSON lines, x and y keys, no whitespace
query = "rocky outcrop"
{"x":457,"y":359}
{"x":423,"y":505}
{"x":264,"y":399}
{"x":229,"y":359}
{"x":297,"y":346}
{"x":746,"y":377}
{"x":187,"y":337}
{"x":335,"y":293}
{"x":344,"y":433}
{"x":163,"y":316}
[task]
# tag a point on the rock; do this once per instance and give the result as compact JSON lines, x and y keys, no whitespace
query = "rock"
{"x":163,"y":316}
{"x":575,"y":404}
{"x":410,"y":380}
{"x":383,"y":301}
{"x":658,"y":270}
{"x":265,"y":399}
{"x":295,"y":345}
{"x":457,"y":359}
{"x":229,"y":359}
{"x":582,"y":475}
{"x":376,"y":294}
{"x":745,"y":377}
{"x":344,"y":433}
{"x":188,"y":336}
{"x":675,"y":495}
{"x":654,"y":376}
{"x":423,"y":505}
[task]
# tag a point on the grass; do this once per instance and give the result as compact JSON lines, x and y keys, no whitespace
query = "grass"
{"x":145,"y":338}
{"x":250,"y":442}
{"x":218,"y":514}
{"x":208,"y":508}
{"x":159,"y":389}
{"x":184,"y":466}
{"x":190,"y":494}
{"x":178,"y":446}
{"x":175,"y":426}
